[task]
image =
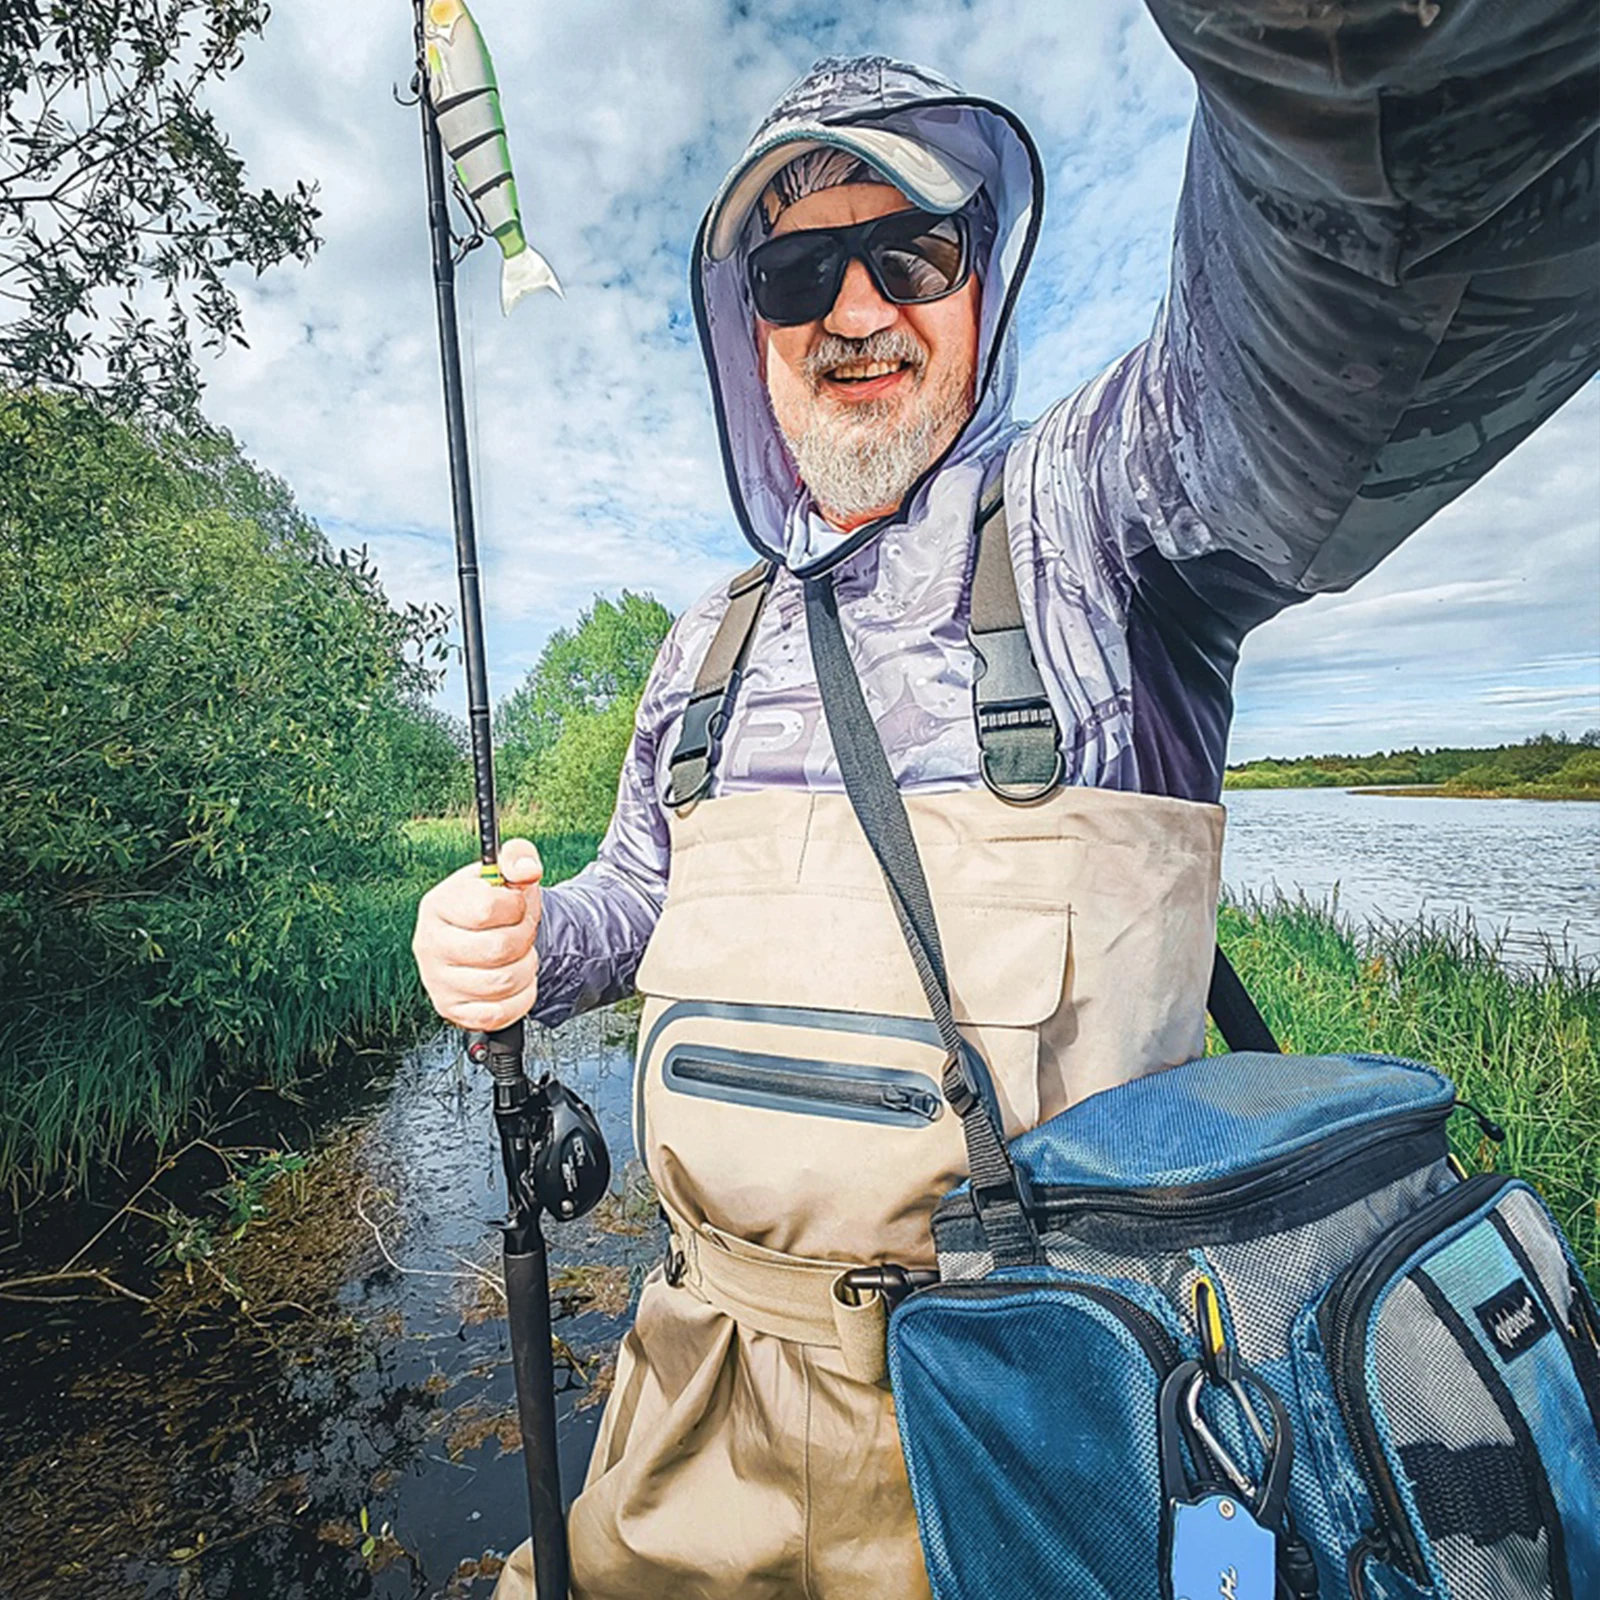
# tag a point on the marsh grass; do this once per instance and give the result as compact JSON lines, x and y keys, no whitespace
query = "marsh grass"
{"x":1524,"y":1044}
{"x":110,"y":1074}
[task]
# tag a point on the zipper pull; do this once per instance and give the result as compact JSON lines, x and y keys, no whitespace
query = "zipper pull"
{"x":1213,"y":1337}
{"x":1487,"y":1126}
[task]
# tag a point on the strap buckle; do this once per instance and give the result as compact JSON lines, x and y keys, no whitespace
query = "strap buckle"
{"x":705,"y":720}
{"x":888,"y":1279}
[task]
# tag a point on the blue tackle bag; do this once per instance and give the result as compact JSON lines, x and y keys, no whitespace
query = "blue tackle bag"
{"x":1238,"y":1330}
{"x":1270,"y":1343}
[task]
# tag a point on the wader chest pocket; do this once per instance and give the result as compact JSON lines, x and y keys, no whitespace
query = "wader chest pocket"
{"x":816,"y":1088}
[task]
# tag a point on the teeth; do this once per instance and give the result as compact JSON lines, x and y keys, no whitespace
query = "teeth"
{"x":866,"y":369}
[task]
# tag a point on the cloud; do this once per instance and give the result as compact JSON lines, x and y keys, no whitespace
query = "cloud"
{"x":596,"y":459}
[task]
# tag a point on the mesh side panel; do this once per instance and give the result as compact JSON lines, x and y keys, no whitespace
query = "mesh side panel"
{"x":1431,"y":1397}
{"x":1538,"y":1239}
{"x":1513,"y":1569}
{"x":1430,"y":1393}
{"x":1265,"y":1281}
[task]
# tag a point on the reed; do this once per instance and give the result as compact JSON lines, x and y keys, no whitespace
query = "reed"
{"x":111,"y":1072}
{"x":1523,"y":1043}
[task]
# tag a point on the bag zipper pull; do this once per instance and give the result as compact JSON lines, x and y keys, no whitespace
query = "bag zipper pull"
{"x":1487,"y":1126}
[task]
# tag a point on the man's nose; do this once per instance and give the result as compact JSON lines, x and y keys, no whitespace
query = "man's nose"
{"x":858,"y":309}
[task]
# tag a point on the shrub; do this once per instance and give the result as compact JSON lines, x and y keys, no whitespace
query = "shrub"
{"x":209,"y":745}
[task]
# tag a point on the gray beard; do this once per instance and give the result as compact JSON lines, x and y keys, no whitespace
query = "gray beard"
{"x":861,"y":464}
{"x":863,"y":461}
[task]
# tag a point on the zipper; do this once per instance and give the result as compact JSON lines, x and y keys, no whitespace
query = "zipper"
{"x":1158,"y":1345}
{"x":875,"y":1094}
{"x":1292,"y":1170}
{"x":1343,"y":1324}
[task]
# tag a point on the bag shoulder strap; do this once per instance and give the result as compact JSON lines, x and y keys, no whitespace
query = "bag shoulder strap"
{"x":716,"y":685}
{"x":996,"y":1190}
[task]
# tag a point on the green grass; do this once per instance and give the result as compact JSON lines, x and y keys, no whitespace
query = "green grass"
{"x":108,"y":1074}
{"x":441,"y":844}
{"x":1524,"y":1046}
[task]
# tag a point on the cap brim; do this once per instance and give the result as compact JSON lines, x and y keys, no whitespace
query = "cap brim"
{"x":934,"y":181}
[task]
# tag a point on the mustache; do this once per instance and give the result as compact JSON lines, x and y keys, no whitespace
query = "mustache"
{"x":888,"y":344}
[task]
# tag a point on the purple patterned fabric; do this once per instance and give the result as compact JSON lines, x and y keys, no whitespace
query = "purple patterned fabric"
{"x":1384,"y":277}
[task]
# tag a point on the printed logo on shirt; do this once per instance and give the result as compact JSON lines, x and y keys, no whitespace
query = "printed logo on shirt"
{"x":1513,"y":1319}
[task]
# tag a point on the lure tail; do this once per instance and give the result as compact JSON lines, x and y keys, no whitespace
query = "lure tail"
{"x":522,"y":274}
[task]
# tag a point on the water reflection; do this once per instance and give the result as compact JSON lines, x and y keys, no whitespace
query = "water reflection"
{"x":1525,"y":870}
{"x":360,"y":1442}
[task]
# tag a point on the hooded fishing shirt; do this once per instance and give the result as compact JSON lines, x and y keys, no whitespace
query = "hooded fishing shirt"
{"x":1384,"y":278}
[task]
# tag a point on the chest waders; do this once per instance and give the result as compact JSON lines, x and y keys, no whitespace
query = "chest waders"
{"x":792,"y":1108}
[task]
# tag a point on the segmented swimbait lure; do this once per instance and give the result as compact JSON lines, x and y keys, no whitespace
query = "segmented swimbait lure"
{"x":466,"y":102}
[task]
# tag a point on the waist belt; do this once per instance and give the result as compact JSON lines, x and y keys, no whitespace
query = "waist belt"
{"x":796,"y":1298}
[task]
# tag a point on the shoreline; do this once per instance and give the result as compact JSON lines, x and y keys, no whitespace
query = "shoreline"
{"x":1421,"y":791}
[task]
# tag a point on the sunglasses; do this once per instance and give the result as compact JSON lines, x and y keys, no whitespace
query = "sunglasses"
{"x":912,"y":257}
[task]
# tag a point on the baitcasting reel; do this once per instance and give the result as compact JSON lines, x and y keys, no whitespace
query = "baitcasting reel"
{"x":571,"y":1167}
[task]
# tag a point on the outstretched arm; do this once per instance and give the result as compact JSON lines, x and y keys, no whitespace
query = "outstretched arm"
{"x":1385,"y":276}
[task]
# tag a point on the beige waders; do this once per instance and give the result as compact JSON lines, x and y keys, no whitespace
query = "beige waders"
{"x":789,"y":1110}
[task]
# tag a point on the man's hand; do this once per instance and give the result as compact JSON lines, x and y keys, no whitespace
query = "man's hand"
{"x":474,"y":942}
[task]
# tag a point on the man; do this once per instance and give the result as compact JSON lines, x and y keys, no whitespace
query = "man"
{"x":1384,"y":278}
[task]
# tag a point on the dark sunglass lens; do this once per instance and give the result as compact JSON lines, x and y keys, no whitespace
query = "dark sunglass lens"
{"x":921,"y":263}
{"x":794,"y":279}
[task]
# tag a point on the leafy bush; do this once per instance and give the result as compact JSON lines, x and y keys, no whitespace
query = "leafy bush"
{"x":209,"y":745}
{"x":575,"y":780}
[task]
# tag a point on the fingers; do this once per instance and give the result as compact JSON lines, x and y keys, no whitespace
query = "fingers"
{"x":466,"y":899}
{"x":520,"y":863}
{"x":474,"y":941}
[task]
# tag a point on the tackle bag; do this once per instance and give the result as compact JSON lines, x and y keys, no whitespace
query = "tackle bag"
{"x":1238,"y":1329}
{"x":1288,"y":1236}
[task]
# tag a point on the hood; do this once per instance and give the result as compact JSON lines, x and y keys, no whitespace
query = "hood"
{"x":974,"y":135}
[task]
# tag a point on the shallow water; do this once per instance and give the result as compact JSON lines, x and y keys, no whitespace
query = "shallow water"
{"x":1524,"y":871}
{"x":152,"y":1457}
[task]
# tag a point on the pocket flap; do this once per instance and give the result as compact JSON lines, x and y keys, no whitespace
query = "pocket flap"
{"x":845,"y":951}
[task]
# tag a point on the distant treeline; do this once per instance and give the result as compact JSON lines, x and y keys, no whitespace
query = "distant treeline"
{"x":1546,"y":767}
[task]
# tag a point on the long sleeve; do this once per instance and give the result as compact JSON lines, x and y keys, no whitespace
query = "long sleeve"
{"x":596,"y":925}
{"x":1385,"y":276}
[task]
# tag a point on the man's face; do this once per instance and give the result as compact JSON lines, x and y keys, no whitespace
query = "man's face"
{"x":872,"y":394}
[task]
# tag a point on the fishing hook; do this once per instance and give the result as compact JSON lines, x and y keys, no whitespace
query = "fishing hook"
{"x":465,"y":244}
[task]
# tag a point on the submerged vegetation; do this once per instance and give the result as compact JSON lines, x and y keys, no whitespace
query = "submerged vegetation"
{"x":1546,"y":767}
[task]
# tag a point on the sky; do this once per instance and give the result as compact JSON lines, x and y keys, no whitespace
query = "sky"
{"x":595,"y":454}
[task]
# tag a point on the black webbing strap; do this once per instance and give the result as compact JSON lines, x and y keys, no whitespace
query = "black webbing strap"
{"x":1238,"y":1021}
{"x":1019,"y":741}
{"x":868,"y":781}
{"x":716,"y":685}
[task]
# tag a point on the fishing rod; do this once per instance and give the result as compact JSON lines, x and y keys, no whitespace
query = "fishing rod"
{"x":551,"y":1148}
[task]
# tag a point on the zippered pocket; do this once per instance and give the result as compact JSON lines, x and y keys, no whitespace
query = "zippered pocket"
{"x":1028,"y":1418}
{"x":1459,"y":1367}
{"x":890,"y":1095}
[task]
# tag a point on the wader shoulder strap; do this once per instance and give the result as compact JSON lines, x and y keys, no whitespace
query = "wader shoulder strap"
{"x":716,"y":685}
{"x":875,"y":797}
{"x":1020,"y":743}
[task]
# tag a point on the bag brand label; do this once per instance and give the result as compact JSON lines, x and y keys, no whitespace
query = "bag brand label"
{"x":1513,"y":1319}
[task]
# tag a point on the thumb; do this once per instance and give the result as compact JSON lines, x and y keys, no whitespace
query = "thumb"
{"x":520,"y":865}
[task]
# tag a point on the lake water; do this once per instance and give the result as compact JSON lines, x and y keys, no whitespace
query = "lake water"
{"x":1527,"y":870}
